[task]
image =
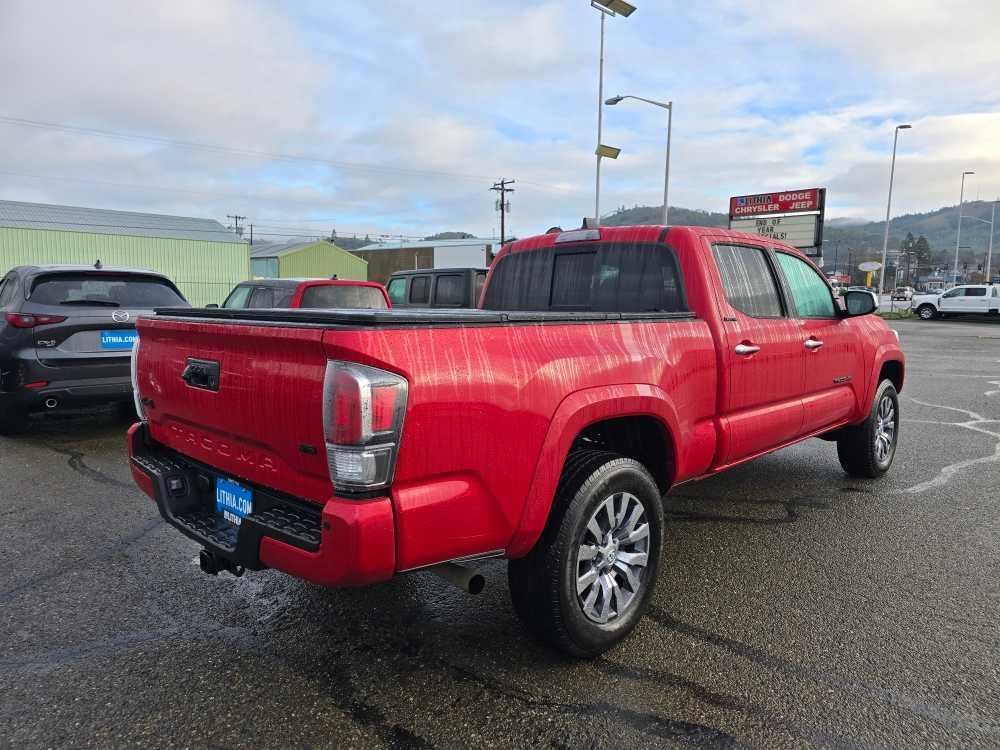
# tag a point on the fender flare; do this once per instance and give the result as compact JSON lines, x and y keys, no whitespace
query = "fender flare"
{"x":575,"y":413}
{"x":884,"y":353}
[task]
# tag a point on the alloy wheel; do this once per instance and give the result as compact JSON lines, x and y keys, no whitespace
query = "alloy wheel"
{"x":612,"y":556}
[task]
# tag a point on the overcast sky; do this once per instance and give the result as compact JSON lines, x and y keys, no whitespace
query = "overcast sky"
{"x":406,"y":112}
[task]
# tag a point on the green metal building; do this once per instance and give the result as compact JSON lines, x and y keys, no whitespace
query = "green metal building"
{"x":201,"y":256}
{"x":317,"y":259}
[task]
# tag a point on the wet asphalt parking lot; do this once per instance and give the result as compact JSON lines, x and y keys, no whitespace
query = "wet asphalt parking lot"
{"x":795,"y":607}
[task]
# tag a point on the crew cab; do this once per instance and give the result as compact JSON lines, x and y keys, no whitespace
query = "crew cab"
{"x":967,"y":299}
{"x":309,"y":293}
{"x":437,"y":287}
{"x":603,"y":368}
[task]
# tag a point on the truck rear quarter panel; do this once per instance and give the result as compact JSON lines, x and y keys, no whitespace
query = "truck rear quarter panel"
{"x":481,"y":403}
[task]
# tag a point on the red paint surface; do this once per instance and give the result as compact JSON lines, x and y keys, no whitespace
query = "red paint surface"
{"x":493,"y":410}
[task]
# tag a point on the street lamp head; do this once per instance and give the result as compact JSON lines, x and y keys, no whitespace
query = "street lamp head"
{"x":614,"y":100}
{"x":965,"y":173}
{"x":903,"y":127}
{"x":617,"y":7}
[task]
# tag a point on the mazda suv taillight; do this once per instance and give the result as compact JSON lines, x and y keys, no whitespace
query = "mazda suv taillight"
{"x":363,"y":409}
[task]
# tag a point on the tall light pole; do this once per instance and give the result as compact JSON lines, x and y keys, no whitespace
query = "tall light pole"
{"x":989,"y":252}
{"x":888,"y":207}
{"x":958,"y":234}
{"x":669,"y":106}
{"x":606,"y":8}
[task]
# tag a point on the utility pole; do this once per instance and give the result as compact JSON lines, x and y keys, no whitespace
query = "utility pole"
{"x":251,"y":235}
{"x":501,"y":189}
{"x":236,"y":222}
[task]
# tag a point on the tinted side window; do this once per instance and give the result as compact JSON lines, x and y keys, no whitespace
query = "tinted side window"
{"x":571,"y":280}
{"x":238,"y":297}
{"x":397,"y":291}
{"x":747,"y":280}
{"x":7,"y":291}
{"x":283,"y":297}
{"x":420,"y":290}
{"x":810,"y":293}
{"x":448,"y":290}
{"x":262,"y":297}
{"x":975,"y":291}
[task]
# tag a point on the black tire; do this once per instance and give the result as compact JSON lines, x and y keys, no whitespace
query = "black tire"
{"x":927,"y":312}
{"x":858,"y":448}
{"x":13,"y":420}
{"x":543,"y":584}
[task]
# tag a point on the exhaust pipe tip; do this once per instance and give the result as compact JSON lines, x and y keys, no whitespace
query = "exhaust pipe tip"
{"x":51,"y":403}
{"x":469,"y":580}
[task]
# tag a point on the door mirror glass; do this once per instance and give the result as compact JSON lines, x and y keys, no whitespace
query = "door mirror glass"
{"x":859,"y":303}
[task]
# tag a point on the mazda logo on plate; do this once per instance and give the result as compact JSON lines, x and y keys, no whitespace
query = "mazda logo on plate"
{"x":120,"y":316}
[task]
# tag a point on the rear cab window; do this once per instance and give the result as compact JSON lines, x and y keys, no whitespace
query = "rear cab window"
{"x":343,"y":296}
{"x":103,"y":290}
{"x":594,"y":277}
{"x":975,"y":291}
{"x":261,"y":298}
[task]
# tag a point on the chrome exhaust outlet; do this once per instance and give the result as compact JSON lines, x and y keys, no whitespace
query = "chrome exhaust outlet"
{"x":469,"y":580}
{"x":51,"y":403}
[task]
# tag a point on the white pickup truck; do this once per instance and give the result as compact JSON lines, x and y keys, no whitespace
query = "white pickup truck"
{"x":968,"y":299}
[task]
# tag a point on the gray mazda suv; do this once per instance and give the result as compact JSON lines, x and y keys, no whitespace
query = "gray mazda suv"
{"x":66,"y":335}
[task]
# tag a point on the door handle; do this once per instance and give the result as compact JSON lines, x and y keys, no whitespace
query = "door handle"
{"x":746,"y":349}
{"x":813,"y":344}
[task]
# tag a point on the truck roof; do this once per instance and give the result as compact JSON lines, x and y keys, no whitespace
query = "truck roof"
{"x":648,"y":233}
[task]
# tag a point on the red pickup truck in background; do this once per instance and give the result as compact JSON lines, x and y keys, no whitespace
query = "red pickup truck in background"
{"x":605,"y":367}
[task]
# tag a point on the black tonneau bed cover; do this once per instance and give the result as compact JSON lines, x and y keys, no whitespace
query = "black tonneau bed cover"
{"x":405,"y":317}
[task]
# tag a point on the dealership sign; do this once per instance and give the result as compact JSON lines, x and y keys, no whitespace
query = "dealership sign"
{"x":794,"y":217}
{"x":797,"y":231}
{"x":793,"y":201}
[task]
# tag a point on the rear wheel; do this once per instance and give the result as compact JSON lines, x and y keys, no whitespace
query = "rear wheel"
{"x":926,"y":312}
{"x":588,"y":580}
{"x":868,"y":450}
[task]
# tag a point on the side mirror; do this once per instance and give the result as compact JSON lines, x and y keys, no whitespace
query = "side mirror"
{"x":858,"y":303}
{"x":211,"y":306}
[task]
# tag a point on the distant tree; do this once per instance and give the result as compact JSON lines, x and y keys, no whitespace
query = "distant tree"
{"x":923,"y":256}
{"x":451,"y":236}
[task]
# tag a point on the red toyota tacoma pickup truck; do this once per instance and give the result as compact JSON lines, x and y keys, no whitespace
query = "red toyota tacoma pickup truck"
{"x":604,"y":367}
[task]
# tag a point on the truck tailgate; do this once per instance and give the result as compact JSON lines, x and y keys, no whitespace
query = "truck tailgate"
{"x":261,"y":420}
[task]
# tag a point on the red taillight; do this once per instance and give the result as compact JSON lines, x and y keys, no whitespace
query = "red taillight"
{"x":19,"y":320}
{"x":36,"y":385}
{"x":383,"y":407}
{"x":363,"y":419}
{"x":345,"y":410}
